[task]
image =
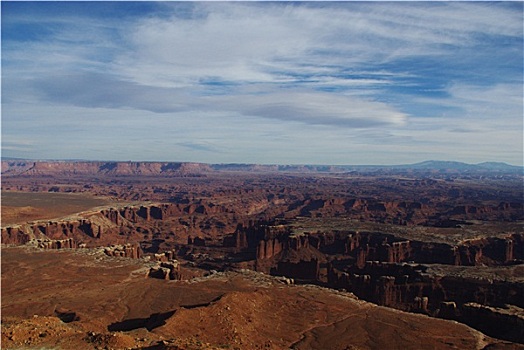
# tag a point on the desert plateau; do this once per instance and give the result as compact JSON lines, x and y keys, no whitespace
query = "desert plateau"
{"x":145,"y":255}
{"x":242,"y":175}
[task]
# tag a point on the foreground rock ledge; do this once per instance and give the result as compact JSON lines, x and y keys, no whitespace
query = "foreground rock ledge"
{"x":73,"y":299}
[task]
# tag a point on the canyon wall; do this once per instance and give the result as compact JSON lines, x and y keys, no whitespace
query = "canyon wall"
{"x":64,"y":168}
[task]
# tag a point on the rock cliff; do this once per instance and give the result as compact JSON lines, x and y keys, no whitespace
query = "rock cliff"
{"x":61,"y":168}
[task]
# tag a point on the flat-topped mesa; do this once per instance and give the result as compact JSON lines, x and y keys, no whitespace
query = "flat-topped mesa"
{"x":368,"y":282}
{"x":491,"y":251}
{"x":77,"y":229}
{"x":364,"y":246}
{"x":503,"y":208}
{"x":90,"y":225}
{"x":59,"y":168}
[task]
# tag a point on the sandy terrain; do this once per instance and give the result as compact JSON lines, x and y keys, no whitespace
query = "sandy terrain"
{"x":78,"y":299}
{"x":416,"y":242}
{"x":20,"y":207}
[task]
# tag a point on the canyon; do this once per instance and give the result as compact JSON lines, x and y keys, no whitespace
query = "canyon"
{"x":436,"y":243}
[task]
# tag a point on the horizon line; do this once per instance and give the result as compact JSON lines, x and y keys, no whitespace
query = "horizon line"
{"x":244,"y":163}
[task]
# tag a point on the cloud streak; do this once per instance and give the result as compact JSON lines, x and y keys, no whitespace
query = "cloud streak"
{"x":336,"y":71}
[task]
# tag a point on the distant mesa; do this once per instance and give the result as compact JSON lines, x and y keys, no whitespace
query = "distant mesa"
{"x":17,"y":167}
{"x":57,"y":168}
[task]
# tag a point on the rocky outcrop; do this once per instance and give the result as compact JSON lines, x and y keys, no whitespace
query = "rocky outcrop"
{"x":267,"y":249}
{"x":76,"y":229}
{"x":169,"y":270}
{"x":59,"y":229}
{"x":279,"y":252}
{"x":15,"y":235}
{"x":408,"y":287}
{"x":165,"y":256}
{"x":301,"y":270}
{"x":92,"y":226}
{"x":56,"y":244}
{"x":501,"y":322}
{"x":402,"y":286}
{"x":248,"y":237}
{"x":124,"y":250}
{"x":136,"y":214}
{"x":55,"y":230}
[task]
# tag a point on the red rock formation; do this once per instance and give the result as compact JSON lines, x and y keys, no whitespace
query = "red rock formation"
{"x":165,"y":256}
{"x":63,"y":229}
{"x":57,"y":244}
{"x":505,"y":323}
{"x":197,"y":241}
{"x":125,"y":251}
{"x":57,"y":230}
{"x":268,"y":249}
{"x":159,"y":272}
{"x":169,"y":270}
{"x":15,"y":235}
{"x":306,"y":270}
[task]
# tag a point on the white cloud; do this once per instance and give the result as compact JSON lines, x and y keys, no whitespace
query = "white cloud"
{"x":326,"y":79}
{"x":239,"y":42}
{"x":317,"y":108}
{"x":501,"y":102}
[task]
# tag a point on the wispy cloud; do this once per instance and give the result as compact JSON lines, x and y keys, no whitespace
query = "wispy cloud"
{"x":364,"y":78}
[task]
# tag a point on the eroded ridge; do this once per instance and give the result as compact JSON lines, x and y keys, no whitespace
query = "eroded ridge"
{"x":191,"y":244}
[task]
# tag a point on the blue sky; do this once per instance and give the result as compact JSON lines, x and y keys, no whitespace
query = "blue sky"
{"x":255,"y":82}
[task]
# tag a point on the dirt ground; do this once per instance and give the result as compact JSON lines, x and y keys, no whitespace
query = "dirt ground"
{"x":83,"y":300}
{"x":21,"y":207}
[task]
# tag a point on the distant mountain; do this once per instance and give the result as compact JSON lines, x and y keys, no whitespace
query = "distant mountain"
{"x":439,"y":165}
{"x":499,"y":166}
{"x":459,"y":166}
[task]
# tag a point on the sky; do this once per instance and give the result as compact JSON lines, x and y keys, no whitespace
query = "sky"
{"x":263,"y":82}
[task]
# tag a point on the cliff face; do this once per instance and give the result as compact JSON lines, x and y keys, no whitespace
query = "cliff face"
{"x":57,"y":168}
{"x":403,"y":212}
{"x":277,"y":251}
{"x":93,"y":227}
{"x":116,"y":225}
{"x":132,"y":251}
{"x":387,"y":270}
{"x":506,"y":323}
{"x":493,"y":306}
{"x":77,"y":230}
{"x":376,"y":246}
{"x":402,"y":285}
